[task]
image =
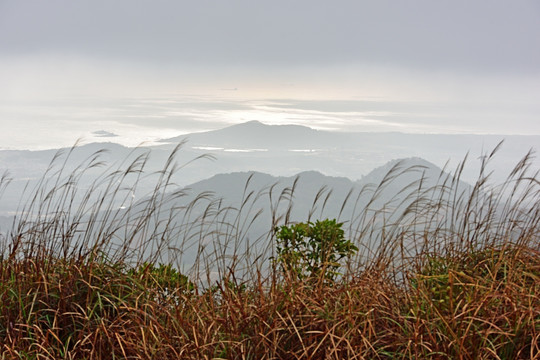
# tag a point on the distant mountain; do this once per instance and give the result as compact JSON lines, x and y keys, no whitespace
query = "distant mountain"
{"x":393,"y":177}
{"x":315,"y":195}
{"x":235,"y":212}
{"x":256,"y":135}
{"x":278,"y":150}
{"x":289,"y":149}
{"x":262,"y":176}
{"x":251,"y":203}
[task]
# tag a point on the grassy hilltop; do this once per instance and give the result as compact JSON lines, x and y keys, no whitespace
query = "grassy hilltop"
{"x":439,"y":271}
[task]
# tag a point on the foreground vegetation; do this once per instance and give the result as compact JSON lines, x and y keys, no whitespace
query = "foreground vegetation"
{"x":453,"y":275}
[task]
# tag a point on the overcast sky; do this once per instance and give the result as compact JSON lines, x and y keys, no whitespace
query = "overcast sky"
{"x":481,"y":58}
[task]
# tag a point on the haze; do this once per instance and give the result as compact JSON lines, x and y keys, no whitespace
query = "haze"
{"x":132,"y":71}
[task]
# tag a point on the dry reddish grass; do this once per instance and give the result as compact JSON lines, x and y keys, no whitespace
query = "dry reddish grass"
{"x":486,"y":307}
{"x":469,"y":290}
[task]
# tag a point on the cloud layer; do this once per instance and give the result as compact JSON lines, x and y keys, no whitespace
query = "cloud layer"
{"x":464,"y":35}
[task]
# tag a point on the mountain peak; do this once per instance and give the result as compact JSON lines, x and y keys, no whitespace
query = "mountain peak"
{"x":253,"y":134}
{"x":256,"y":124}
{"x":248,"y":125}
{"x":253,"y":123}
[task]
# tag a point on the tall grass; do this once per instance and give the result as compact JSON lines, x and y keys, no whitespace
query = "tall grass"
{"x":444,"y":270}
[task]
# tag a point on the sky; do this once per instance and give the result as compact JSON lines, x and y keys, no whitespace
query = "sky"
{"x":130,"y":71}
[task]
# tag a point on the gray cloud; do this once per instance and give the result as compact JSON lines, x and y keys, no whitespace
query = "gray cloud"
{"x":144,"y":69}
{"x":490,"y":35}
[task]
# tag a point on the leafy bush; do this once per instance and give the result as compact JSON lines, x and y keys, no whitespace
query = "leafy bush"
{"x":164,"y":279}
{"x":313,"y":250}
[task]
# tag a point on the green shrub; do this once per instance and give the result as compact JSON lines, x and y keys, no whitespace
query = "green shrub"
{"x":164,"y":279}
{"x":312,"y":250}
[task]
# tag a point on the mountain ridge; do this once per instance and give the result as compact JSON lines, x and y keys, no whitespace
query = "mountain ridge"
{"x":280,"y":150}
{"x":252,"y":134}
